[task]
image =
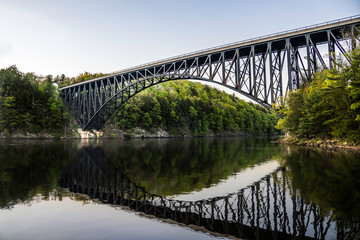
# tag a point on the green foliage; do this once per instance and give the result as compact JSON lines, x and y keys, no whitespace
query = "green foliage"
{"x":328,"y":107}
{"x":185,"y":107}
{"x":29,"y":103}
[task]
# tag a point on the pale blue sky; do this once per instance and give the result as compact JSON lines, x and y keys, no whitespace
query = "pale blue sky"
{"x":54,"y":37}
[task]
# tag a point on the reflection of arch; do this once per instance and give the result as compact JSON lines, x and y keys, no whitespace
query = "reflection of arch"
{"x":262,"y":210}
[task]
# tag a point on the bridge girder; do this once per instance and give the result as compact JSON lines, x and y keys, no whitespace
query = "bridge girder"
{"x":265,"y":71}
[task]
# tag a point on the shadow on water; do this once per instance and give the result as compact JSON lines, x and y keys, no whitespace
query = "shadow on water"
{"x":313,"y":195}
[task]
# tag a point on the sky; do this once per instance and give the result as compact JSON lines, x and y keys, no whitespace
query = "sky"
{"x":72,"y":36}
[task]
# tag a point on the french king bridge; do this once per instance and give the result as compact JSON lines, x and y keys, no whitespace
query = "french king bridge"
{"x":263,"y":69}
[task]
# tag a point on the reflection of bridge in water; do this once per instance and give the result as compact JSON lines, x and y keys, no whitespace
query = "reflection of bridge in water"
{"x":267,"y":209}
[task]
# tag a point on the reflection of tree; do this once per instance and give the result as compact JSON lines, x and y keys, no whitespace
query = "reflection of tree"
{"x":29,"y":169}
{"x":329,"y":179}
{"x":169,"y":167}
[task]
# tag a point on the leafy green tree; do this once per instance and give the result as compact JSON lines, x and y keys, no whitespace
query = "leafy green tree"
{"x":29,"y":103}
{"x":147,"y":121}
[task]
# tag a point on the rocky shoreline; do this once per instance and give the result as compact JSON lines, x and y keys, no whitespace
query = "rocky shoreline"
{"x":136,"y":133}
{"x":329,"y":144}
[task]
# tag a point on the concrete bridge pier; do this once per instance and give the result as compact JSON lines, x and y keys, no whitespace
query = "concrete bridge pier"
{"x":86,"y":134}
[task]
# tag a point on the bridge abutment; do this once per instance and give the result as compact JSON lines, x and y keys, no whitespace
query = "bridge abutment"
{"x":85,"y":134}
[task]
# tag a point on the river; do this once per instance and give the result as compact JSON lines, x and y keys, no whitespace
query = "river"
{"x":192,"y":188}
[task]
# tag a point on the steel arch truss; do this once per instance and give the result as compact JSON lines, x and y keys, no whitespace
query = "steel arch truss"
{"x":263,"y":71}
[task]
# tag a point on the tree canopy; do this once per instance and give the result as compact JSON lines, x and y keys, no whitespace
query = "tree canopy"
{"x":185,"y":107}
{"x":29,"y":103}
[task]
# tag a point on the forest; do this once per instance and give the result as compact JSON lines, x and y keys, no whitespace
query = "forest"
{"x":328,"y":107}
{"x":31,"y":104}
{"x":189,"y":108}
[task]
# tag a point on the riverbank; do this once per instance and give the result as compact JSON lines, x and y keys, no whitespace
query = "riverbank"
{"x":137,"y":132}
{"x":329,"y":144}
{"x":109,"y":133}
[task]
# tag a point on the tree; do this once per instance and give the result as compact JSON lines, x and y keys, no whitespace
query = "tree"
{"x":29,"y":103}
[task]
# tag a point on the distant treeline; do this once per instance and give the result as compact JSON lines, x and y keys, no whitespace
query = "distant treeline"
{"x":31,"y":103}
{"x":63,"y":80}
{"x":328,"y":107}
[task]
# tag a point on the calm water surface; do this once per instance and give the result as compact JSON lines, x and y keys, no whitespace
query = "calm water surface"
{"x":202,"y":188}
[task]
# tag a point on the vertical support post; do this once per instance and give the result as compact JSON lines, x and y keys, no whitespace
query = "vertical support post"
{"x":89,"y":101}
{"x":95,"y":97}
{"x":210,"y":67}
{"x":241,"y":211}
{"x":313,"y":54}
{"x":257,"y":209}
{"x":84,"y":106}
{"x":331,"y":47}
{"x":226,"y":214}
{"x":252,"y":222}
{"x":287,"y":47}
{"x":197,"y":67}
{"x":253,"y":72}
{"x":264,"y":77}
{"x":296,"y":68}
{"x":271,"y":73}
{"x":294,"y":218}
{"x":353,"y":39}
{"x":293,"y":71}
{"x":284,"y":204}
{"x":268,"y":221}
{"x":223,"y":68}
{"x":237,"y":70}
{"x":275,"y":209}
{"x":308,"y":56}
{"x":79,"y":102}
{"x":280,"y":65}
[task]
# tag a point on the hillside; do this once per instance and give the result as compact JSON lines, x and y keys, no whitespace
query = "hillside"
{"x":189,"y":108}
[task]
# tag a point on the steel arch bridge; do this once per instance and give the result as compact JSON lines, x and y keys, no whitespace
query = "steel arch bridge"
{"x":262,"y":69}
